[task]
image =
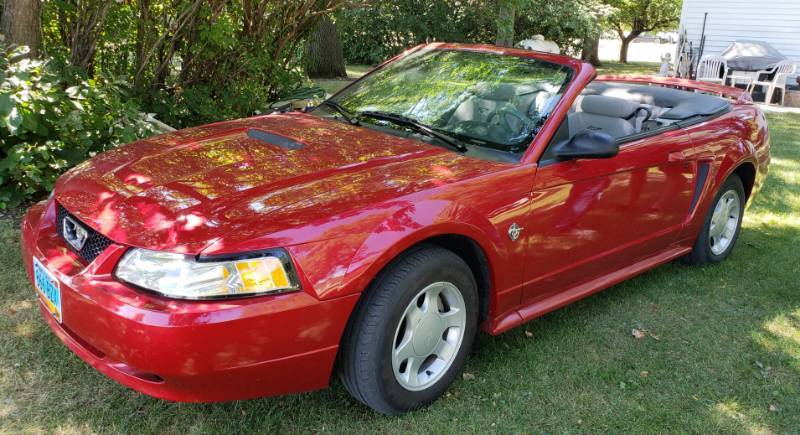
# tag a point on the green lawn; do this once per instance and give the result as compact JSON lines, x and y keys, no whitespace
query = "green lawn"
{"x":721,"y":353}
{"x":353,"y":72}
{"x":610,"y":67}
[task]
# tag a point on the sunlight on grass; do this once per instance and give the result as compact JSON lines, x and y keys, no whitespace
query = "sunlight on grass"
{"x":782,"y":334}
{"x":732,"y":411}
{"x":727,"y":357}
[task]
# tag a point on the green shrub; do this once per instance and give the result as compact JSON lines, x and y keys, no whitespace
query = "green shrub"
{"x":52,"y":119}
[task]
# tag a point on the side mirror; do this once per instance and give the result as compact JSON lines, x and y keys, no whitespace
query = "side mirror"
{"x":587,"y":144}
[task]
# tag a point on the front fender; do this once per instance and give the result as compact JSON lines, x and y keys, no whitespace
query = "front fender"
{"x":416,"y":223}
{"x":346,"y":265}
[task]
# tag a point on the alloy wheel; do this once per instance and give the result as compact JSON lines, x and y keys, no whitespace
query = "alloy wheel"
{"x":428,"y":336}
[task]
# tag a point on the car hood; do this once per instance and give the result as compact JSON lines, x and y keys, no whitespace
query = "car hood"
{"x":185,"y":190}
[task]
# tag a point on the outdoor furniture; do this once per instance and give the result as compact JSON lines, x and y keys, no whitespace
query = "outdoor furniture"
{"x":709,"y":68}
{"x":751,"y":56}
{"x":780,"y":72}
{"x":744,"y":78}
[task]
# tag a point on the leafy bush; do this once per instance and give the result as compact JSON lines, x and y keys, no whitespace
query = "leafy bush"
{"x":374,"y":33}
{"x":51,"y":119}
{"x":189,"y":61}
{"x":382,"y":29}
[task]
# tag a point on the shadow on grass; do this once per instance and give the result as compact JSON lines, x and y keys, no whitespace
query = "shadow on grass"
{"x":721,"y":352}
{"x":721,"y":349}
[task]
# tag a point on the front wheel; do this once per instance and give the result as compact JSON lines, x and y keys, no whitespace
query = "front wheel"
{"x":411,"y":334}
{"x":722,"y":224}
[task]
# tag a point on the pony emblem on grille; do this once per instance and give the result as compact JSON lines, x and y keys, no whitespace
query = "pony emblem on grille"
{"x":75,"y":234}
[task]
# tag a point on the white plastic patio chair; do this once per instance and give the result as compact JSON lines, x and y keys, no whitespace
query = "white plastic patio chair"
{"x":708,"y":69}
{"x":781,"y":70}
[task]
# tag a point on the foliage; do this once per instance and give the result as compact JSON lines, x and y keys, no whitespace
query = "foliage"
{"x":631,"y":18}
{"x":567,"y":22}
{"x":506,"y":12}
{"x":51,"y":119}
{"x":638,"y":16}
{"x":383,"y":29}
{"x":190,"y":61}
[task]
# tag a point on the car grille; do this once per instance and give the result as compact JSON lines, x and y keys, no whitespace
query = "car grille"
{"x":95,"y":244}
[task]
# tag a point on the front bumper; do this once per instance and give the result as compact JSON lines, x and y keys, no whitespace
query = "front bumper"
{"x":197,"y":351}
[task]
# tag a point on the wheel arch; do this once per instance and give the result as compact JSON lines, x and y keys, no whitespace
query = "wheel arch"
{"x":471,"y":252}
{"x":747,"y":173}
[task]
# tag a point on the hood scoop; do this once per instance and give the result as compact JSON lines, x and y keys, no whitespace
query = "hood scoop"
{"x":274,"y":139}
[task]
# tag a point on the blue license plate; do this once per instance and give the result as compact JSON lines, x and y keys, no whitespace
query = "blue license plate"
{"x":49,"y":289}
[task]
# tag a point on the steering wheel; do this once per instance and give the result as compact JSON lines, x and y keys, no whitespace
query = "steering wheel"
{"x":504,"y":112}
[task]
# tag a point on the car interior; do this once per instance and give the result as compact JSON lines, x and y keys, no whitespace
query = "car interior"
{"x":506,"y":114}
{"x":630,"y":111}
{"x":503,"y":113}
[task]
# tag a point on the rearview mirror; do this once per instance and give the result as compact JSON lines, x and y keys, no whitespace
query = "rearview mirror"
{"x":588,"y":144}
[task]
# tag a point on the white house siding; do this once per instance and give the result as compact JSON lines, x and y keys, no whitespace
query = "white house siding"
{"x":774,"y":21}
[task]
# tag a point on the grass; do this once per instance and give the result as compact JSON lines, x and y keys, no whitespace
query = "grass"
{"x":646,"y":68}
{"x":333,"y":85}
{"x":721,"y":354}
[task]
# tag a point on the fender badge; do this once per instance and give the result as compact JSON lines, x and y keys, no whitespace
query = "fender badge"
{"x":514,"y":231}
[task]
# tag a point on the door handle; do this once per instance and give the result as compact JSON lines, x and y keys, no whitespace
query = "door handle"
{"x":676,"y":156}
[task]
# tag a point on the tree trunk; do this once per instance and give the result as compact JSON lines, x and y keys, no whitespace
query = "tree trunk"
{"x":623,"y":49}
{"x":143,"y":36}
{"x":324,"y":57}
{"x":505,"y":23}
{"x":591,"y":48}
{"x":21,"y":24}
{"x":86,"y":25}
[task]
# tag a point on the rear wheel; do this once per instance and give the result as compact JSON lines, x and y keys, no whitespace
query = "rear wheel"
{"x":722,"y":224}
{"x":411,"y":334}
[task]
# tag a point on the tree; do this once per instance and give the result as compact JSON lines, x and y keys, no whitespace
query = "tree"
{"x":639,"y":16}
{"x":506,"y":12}
{"x":80,"y":24}
{"x":591,"y":41}
{"x":21,"y":24}
{"x":323,"y":54}
{"x":591,"y":50}
{"x":566,"y":22}
{"x":381,"y":29}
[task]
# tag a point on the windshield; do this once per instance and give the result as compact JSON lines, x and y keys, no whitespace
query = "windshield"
{"x":483,"y":99}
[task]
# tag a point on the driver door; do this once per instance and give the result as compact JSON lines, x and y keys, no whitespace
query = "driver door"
{"x":594,"y":217}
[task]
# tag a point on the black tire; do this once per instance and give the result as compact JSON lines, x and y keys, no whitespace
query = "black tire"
{"x":701,"y":253}
{"x":365,"y":362}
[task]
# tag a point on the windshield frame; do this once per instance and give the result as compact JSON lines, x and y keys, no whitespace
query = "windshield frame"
{"x":575,"y":70}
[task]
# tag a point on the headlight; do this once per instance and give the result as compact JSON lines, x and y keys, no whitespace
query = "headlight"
{"x":184,"y":276}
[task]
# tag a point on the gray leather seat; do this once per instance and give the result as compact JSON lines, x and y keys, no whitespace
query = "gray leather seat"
{"x":614,"y":116}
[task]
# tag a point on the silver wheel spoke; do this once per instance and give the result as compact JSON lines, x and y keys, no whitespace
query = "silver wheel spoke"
{"x":452,"y":318}
{"x":446,"y":350}
{"x":412,"y":369}
{"x":413,"y":315}
{"x":405,"y":349}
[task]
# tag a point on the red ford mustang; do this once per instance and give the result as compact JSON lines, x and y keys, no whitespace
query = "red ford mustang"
{"x":453,"y":188}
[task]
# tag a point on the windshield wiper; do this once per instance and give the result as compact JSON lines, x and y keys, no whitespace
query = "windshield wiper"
{"x":349,"y":117}
{"x":414,"y":125}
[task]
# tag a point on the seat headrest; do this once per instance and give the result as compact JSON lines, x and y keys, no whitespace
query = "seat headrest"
{"x":497,"y":92}
{"x":608,"y":106}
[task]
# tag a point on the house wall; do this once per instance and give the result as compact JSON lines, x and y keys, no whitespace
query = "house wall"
{"x":773,"y":21}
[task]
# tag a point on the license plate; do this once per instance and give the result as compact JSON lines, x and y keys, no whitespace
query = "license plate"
{"x":48,"y":288}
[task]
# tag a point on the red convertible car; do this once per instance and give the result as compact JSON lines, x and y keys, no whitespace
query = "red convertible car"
{"x":453,"y":188}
